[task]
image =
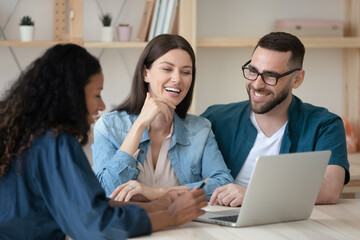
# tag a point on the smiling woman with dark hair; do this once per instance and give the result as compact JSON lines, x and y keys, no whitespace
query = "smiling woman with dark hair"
{"x":150,"y":145}
{"x":47,"y":186}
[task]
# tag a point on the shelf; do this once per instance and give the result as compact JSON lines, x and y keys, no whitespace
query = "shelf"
{"x":115,"y":44}
{"x":318,"y":42}
{"x":85,"y":44}
{"x":29,"y":44}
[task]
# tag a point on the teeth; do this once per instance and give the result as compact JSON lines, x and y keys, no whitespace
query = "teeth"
{"x":173,"y":90}
{"x":259,"y":95}
{"x":97,"y":116}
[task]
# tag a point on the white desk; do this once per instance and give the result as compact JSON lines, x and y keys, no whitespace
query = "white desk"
{"x":340,"y":221}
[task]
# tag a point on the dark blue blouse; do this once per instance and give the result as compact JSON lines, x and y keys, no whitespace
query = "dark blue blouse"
{"x":55,"y":192}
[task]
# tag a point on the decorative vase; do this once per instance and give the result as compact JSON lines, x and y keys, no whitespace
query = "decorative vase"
{"x":107,"y":34}
{"x":124,"y":33}
{"x":26,"y":33}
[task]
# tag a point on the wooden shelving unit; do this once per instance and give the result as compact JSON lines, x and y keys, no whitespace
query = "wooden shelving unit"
{"x":30,"y":44}
{"x":344,"y":42}
{"x":114,"y":44}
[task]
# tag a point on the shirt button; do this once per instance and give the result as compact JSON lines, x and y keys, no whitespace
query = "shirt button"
{"x":141,"y":151}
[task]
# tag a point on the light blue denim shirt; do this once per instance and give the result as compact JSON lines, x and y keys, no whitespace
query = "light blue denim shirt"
{"x":193,"y":152}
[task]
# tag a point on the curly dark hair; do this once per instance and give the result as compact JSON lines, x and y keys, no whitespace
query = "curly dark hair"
{"x":48,"y":95}
{"x":156,"y":48}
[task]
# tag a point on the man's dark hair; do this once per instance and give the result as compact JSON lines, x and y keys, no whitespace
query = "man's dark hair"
{"x":284,"y":42}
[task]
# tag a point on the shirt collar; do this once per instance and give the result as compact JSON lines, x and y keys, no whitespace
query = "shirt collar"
{"x":180,"y":134}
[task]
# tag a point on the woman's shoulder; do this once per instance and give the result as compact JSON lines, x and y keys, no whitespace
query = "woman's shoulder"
{"x":116,"y":115}
{"x":50,"y":140}
{"x":196,"y":121}
{"x":50,"y":146}
{"x":116,"y":120}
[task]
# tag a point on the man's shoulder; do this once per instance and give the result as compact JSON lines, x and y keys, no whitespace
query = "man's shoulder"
{"x":310,"y":110}
{"x":309,"y":113}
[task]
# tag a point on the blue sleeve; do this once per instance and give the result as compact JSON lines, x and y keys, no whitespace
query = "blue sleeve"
{"x":331,"y":135}
{"x":75,"y":198}
{"x":112,"y":166}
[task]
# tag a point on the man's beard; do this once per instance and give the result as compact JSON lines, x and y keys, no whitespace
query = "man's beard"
{"x":272,"y":103}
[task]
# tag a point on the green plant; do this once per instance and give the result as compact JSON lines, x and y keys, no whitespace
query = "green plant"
{"x":106,"y":19}
{"x":26,"y":21}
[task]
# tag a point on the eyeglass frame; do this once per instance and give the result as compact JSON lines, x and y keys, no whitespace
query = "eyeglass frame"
{"x":262,"y":77}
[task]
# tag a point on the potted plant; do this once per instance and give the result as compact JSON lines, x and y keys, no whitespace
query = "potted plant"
{"x":106,"y":31}
{"x":26,"y":29}
{"x":124,"y":32}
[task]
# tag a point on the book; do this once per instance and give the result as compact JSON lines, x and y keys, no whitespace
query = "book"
{"x":144,"y":25}
{"x":154,"y":20}
{"x":161,"y":19}
{"x":170,"y":16}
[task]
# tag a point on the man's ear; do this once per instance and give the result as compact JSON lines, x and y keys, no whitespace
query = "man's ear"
{"x":299,"y":78}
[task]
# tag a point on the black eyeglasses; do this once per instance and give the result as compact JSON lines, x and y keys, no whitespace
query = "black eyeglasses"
{"x":269,"y":78}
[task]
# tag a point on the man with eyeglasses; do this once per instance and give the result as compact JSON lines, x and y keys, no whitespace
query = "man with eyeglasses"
{"x":274,"y":121}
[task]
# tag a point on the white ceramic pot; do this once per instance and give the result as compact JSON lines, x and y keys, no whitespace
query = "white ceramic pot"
{"x":26,"y":33}
{"x":107,"y":34}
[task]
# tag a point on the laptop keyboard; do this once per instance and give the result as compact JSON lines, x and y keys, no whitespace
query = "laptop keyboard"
{"x":232,"y":218}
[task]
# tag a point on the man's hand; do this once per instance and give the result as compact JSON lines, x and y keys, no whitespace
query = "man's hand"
{"x":229,"y":195}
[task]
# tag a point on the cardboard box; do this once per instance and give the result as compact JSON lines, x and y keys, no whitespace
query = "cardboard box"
{"x":311,"y":27}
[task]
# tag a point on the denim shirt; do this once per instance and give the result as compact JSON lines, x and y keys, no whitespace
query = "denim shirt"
{"x":193,"y":152}
{"x":55,"y":192}
{"x":309,"y":128}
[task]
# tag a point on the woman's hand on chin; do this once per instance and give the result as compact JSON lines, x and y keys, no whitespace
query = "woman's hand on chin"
{"x":154,"y":106}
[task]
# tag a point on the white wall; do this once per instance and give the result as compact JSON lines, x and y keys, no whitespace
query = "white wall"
{"x":219,"y":78}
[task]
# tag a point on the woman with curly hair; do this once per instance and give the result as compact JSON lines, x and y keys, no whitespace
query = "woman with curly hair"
{"x":47,"y":186}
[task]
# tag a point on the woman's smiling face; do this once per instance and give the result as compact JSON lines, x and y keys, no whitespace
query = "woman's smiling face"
{"x":170,"y":76}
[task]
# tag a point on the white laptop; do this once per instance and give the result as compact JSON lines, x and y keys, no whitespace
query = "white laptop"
{"x":282,"y":188}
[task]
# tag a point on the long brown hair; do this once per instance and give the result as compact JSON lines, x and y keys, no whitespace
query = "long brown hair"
{"x":157,"y":47}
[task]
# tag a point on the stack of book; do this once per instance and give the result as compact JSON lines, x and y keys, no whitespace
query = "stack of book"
{"x":158,"y":17}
